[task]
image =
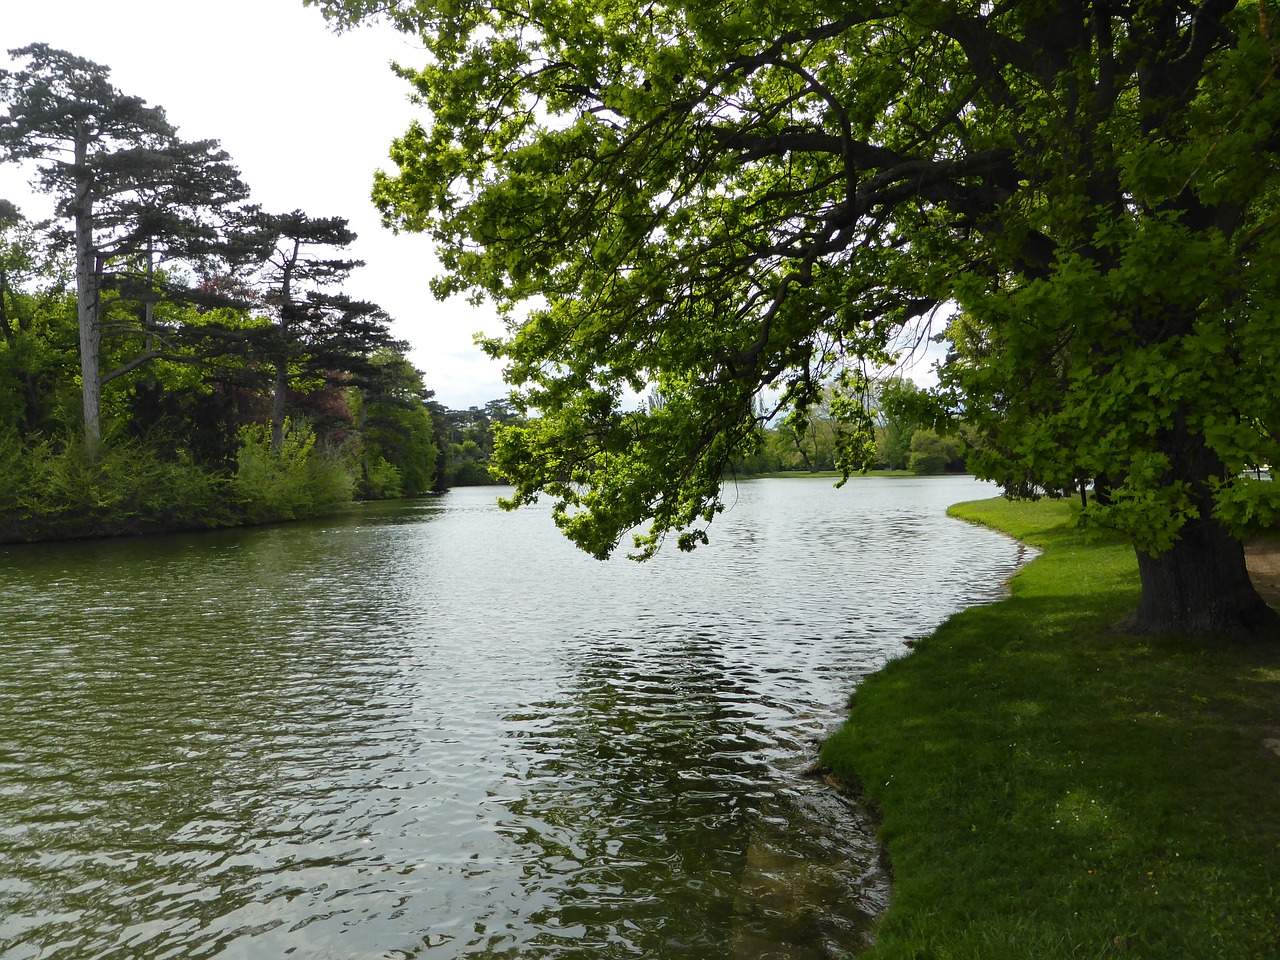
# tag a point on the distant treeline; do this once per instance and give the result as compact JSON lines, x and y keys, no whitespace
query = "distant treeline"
{"x":903,"y":420}
{"x":905,"y":437}
{"x":465,"y":439}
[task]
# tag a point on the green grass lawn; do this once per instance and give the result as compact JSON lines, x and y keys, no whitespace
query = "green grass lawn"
{"x":1049,"y":787}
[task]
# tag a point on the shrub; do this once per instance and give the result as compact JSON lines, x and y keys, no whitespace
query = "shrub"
{"x":928,"y":453}
{"x":300,"y":480}
{"x":136,"y":486}
{"x":382,"y":481}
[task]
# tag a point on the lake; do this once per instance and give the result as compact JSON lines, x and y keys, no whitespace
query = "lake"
{"x":434,"y":729}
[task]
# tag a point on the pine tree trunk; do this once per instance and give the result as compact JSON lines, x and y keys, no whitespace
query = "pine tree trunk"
{"x":1201,"y":588}
{"x":88,"y":305}
{"x":278,"y":397}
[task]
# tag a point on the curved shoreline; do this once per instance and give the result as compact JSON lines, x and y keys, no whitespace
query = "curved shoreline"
{"x":1050,"y":788}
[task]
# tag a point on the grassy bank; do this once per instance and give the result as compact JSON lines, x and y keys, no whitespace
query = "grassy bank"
{"x":1051,"y":788}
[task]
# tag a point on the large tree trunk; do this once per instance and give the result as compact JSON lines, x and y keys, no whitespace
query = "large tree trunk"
{"x":279,"y":395}
{"x":1201,"y":587}
{"x":88,"y":307}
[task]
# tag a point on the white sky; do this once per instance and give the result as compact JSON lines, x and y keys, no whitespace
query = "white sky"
{"x":306,"y":115}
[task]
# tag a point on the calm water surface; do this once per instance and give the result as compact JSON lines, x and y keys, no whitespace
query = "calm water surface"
{"x":435,"y":730}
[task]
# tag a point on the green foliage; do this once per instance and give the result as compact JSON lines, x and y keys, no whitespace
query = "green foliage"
{"x":603,"y":484}
{"x":1250,"y":505}
{"x":38,"y":364}
{"x":901,"y":410}
{"x":381,"y":481}
{"x":298,"y":480}
{"x":151,"y":485}
{"x":871,"y":426}
{"x":1050,"y":789}
{"x":180,"y":424}
{"x":13,"y":471}
{"x":893,"y":446}
{"x":469,"y":438}
{"x":134,"y":487}
{"x":398,"y":431}
{"x":831,"y":431}
{"x":728,"y":205}
{"x":930,"y":453}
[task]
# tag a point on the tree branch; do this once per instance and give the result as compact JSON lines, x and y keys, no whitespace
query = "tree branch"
{"x":133,"y":365}
{"x":753,"y":146}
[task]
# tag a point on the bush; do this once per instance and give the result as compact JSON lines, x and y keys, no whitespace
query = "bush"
{"x":928,"y":455}
{"x":382,"y":481}
{"x":299,"y":481}
{"x":933,"y":454}
{"x":137,"y":486}
{"x":51,"y":492}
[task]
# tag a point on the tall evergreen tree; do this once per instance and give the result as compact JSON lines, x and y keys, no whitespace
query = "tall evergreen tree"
{"x":133,"y":191}
{"x":302,"y":266}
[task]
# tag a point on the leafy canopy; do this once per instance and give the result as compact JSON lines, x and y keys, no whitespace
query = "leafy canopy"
{"x":723,"y":200}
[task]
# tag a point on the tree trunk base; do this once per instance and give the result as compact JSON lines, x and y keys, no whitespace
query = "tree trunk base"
{"x":1201,"y":588}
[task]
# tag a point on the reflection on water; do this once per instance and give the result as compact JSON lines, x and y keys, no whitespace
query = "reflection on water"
{"x":435,"y":730}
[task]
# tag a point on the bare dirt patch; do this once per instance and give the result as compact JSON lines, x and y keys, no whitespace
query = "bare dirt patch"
{"x":1262,"y":555}
{"x":1263,"y":558}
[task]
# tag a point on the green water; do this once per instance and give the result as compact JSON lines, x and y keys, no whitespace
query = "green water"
{"x":434,"y":730}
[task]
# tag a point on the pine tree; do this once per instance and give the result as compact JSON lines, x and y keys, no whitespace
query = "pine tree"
{"x":135,"y":193}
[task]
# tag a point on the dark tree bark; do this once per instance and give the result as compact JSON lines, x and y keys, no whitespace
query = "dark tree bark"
{"x":88,"y":302}
{"x":1201,"y":588}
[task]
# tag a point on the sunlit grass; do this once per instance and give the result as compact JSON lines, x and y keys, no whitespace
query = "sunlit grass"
{"x":1050,"y":787}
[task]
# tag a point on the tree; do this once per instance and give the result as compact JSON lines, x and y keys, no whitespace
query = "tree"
{"x":900,"y":413}
{"x":933,"y":454}
{"x":14,"y":254}
{"x":130,"y":186}
{"x":466,"y":441}
{"x":811,"y":437}
{"x":37,"y":337}
{"x":397,"y":428}
{"x":724,"y":201}
{"x":297,"y":274}
{"x":21,"y":261}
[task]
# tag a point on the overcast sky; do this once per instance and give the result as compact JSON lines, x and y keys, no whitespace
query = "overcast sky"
{"x":306,"y":115}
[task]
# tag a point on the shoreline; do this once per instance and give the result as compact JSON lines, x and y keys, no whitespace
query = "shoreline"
{"x":1048,"y":787}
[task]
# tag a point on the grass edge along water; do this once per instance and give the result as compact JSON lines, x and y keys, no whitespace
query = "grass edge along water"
{"x":1049,"y":787}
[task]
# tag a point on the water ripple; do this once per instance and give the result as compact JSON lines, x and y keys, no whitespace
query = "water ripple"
{"x":435,"y":730}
